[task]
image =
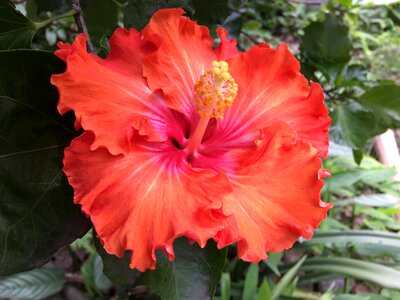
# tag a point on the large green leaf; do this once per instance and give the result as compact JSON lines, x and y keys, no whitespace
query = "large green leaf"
{"x":37,"y":215}
{"x":138,"y":12}
{"x":326,"y":42}
{"x":384,"y":101}
{"x":33,"y":285}
{"x":193,"y":274}
{"x":353,"y":268}
{"x":353,"y":124}
{"x":16,"y":31}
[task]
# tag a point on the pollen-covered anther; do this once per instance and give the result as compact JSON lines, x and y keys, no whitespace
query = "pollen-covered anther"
{"x":215,"y":91}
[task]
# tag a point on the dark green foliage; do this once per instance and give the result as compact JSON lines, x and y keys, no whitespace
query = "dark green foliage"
{"x":101,"y":17}
{"x":16,"y":31}
{"x":210,"y":11}
{"x":58,"y":6}
{"x":138,"y":12}
{"x":326,"y":42}
{"x":37,"y":215}
{"x":193,"y":274}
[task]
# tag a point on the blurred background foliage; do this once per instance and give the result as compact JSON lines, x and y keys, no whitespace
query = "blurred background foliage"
{"x":353,"y":51}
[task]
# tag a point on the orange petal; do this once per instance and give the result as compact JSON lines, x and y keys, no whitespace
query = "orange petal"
{"x":109,"y":97}
{"x":144,"y":200}
{"x":276,"y":195}
{"x":271,"y":89}
{"x":184,"y":53}
{"x":227,"y":47}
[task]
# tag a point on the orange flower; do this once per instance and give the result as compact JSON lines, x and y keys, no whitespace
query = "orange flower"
{"x":181,"y":139}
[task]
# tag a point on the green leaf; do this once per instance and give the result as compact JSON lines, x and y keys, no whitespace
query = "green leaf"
{"x":354,"y":236}
{"x":287,"y":279}
{"x":376,"y":251}
{"x":353,"y":268}
{"x":37,"y":214}
{"x":234,"y":23}
{"x":101,"y":281}
{"x":353,"y":124}
{"x":58,"y":6}
{"x":225,"y":284}
{"x":358,"y":156}
{"x":16,"y":31}
{"x":273,"y":262}
{"x":251,"y":283}
{"x":210,"y":12}
{"x":391,"y":294}
{"x":264,"y":293}
{"x":377,"y":200}
{"x":326,"y":42}
{"x":33,"y":285}
{"x":117,"y":269}
{"x":94,"y":278}
{"x":193,"y":274}
{"x":364,"y":296}
{"x":353,"y":75}
{"x":101,"y":17}
{"x":138,"y":12}
{"x":384,"y":101}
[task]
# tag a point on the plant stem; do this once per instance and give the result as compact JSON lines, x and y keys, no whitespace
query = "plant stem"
{"x":80,"y":22}
{"x":251,"y":38}
{"x":39,"y":25}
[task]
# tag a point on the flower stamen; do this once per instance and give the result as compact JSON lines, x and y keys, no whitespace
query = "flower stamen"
{"x":214,"y":93}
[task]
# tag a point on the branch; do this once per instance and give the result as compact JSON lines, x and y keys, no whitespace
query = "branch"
{"x":80,"y":22}
{"x":251,"y":38}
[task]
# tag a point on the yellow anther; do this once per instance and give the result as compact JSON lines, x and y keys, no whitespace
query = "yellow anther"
{"x":215,"y":91}
{"x":225,"y":75}
{"x":223,"y":64}
{"x":216,"y":71}
{"x":215,"y":64}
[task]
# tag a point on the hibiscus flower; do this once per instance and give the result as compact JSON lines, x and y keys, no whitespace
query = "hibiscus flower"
{"x":180,"y":139}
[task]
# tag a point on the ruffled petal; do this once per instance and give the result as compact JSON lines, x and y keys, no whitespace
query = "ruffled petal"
{"x":183,"y":55}
{"x":271,"y":89}
{"x":276,"y":195}
{"x":110,"y":97}
{"x":144,"y":200}
{"x":227,"y":47}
